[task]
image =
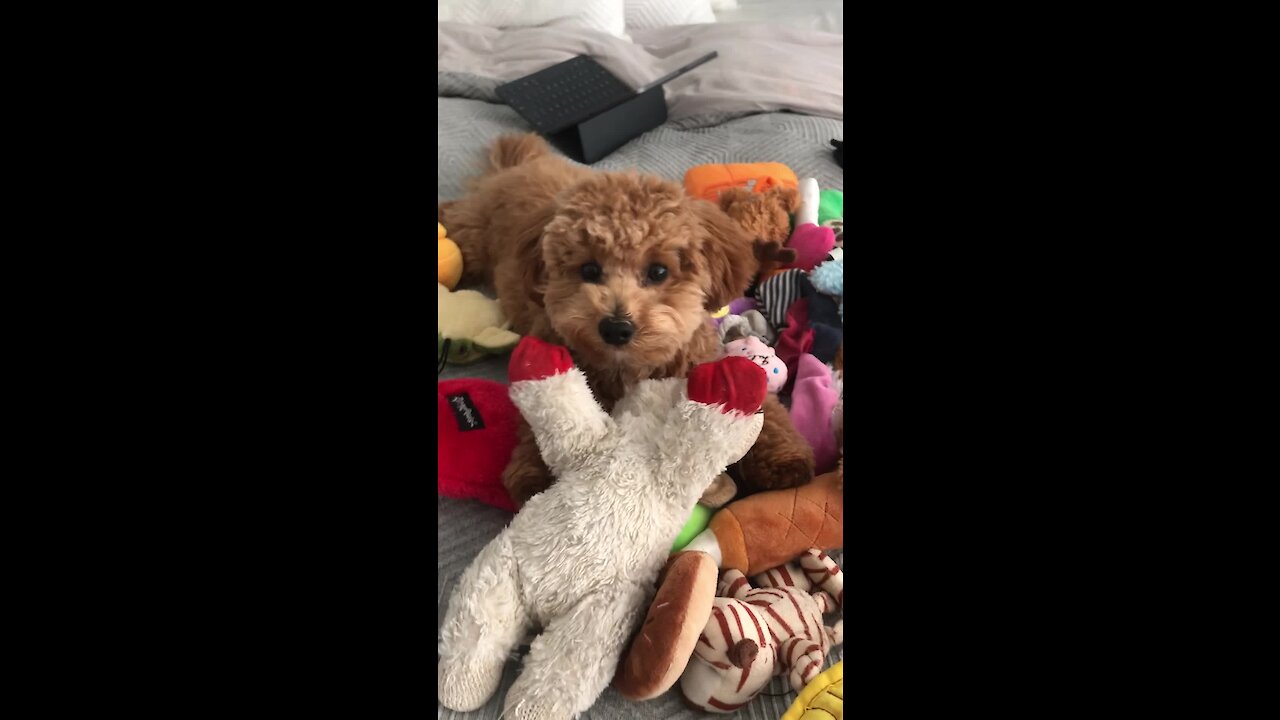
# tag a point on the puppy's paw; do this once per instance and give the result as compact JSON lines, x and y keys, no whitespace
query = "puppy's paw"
{"x":774,"y":471}
{"x":523,"y":482}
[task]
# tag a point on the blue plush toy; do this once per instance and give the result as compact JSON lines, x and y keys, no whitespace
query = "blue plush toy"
{"x":828,"y":277}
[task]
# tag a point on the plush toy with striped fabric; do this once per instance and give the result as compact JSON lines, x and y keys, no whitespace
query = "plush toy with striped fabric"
{"x":756,"y":633}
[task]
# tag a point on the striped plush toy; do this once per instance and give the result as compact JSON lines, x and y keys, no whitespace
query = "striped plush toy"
{"x":756,"y":633}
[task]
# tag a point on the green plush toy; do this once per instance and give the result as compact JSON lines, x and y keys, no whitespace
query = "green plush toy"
{"x":469,"y":327}
{"x":830,"y":206}
{"x":698,"y":521}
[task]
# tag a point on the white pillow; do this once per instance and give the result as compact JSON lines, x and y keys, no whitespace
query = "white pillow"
{"x":644,"y":14}
{"x":604,"y":15}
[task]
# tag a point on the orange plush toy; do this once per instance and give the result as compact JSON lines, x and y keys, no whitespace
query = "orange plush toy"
{"x":768,"y":529}
{"x":708,"y":181}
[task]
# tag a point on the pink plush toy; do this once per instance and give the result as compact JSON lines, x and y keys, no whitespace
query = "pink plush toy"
{"x":811,"y":241}
{"x":813,"y":403}
{"x":812,"y":244}
{"x":757,"y":352}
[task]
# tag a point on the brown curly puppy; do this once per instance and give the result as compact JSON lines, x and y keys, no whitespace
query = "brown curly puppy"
{"x":622,"y":269}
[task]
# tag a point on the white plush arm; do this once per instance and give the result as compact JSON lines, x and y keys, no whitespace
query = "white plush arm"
{"x":697,"y":441}
{"x":566,"y":420}
{"x":810,"y":195}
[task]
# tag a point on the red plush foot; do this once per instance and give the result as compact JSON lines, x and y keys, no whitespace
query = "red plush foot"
{"x":534,"y":359}
{"x":735,"y":381}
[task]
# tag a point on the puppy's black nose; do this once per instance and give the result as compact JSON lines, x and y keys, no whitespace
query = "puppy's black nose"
{"x":616,"y":331}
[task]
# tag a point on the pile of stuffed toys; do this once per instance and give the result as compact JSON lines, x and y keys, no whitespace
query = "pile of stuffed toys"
{"x":742,"y":590}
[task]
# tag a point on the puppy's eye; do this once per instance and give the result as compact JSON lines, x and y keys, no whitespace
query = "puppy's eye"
{"x":656,"y":274}
{"x":591,"y":272}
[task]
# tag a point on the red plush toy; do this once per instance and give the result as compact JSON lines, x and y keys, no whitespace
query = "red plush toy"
{"x":477,"y":424}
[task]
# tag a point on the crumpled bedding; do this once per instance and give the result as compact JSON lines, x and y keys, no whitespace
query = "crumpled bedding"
{"x":760,"y":68}
{"x":471,"y":116}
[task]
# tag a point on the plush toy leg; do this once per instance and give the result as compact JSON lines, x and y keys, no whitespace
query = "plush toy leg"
{"x":707,"y":542}
{"x":484,"y":623}
{"x":823,"y":572}
{"x":734,"y":585}
{"x":810,"y":200}
{"x":836,"y":633}
{"x":804,"y":658}
{"x":572,"y":661}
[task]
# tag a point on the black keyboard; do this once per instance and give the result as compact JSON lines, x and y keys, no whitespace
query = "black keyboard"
{"x":565,"y":94}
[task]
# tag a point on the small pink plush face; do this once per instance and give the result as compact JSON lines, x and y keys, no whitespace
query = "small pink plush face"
{"x":757,"y":352}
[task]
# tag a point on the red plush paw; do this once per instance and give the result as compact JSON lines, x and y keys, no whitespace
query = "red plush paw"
{"x":734,"y":381}
{"x":534,"y":359}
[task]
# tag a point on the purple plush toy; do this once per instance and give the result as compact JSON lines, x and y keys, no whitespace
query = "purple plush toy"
{"x":757,"y":352}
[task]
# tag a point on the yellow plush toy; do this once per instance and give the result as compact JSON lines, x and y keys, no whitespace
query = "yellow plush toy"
{"x":450,"y":260}
{"x":822,"y":699}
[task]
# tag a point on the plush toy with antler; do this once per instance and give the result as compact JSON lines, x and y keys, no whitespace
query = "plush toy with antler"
{"x":755,"y":634}
{"x":581,"y":558}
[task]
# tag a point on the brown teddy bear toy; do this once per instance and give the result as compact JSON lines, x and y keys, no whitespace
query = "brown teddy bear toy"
{"x":766,"y":216}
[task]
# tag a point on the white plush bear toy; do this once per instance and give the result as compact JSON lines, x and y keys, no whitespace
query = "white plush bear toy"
{"x":581,"y":559}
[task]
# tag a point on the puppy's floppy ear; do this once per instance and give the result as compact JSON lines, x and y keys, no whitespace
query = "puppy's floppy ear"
{"x":526,"y":244}
{"x":725,"y":257}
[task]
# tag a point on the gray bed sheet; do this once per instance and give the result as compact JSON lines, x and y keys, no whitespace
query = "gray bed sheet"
{"x":470,"y":117}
